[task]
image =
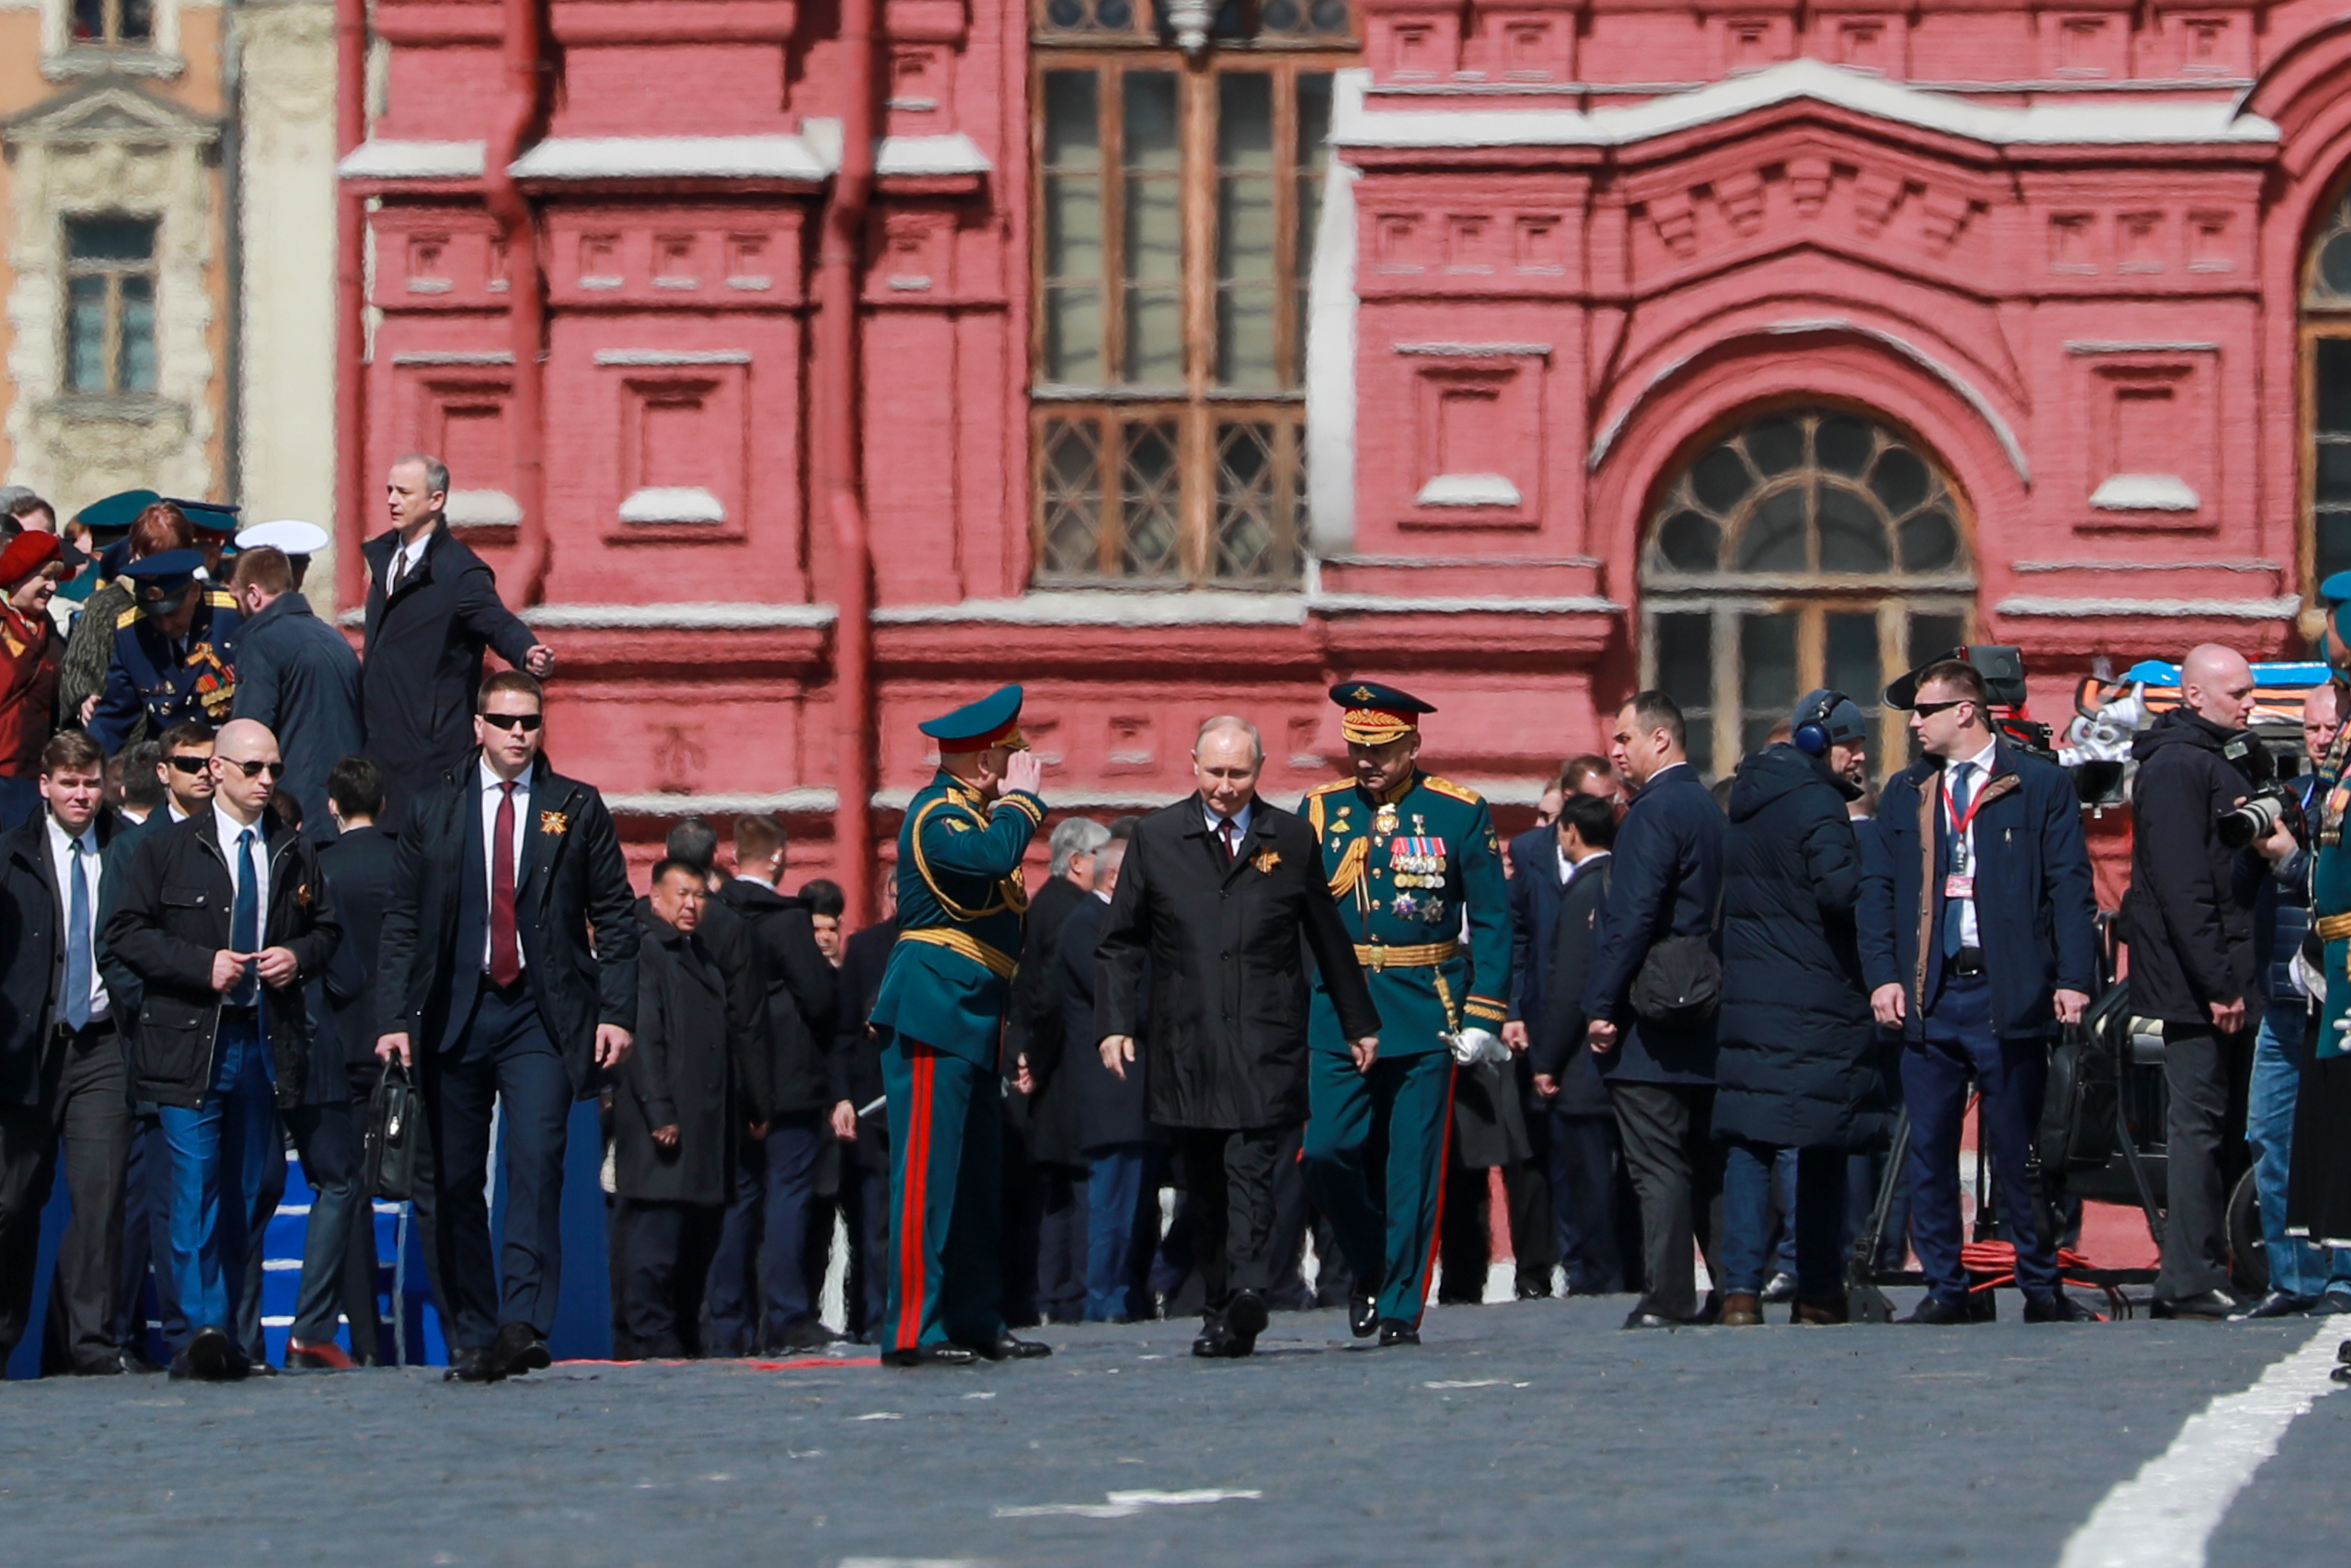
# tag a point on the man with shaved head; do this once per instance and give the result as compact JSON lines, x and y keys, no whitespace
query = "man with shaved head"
{"x":221,"y":918}
{"x":2189,"y":920}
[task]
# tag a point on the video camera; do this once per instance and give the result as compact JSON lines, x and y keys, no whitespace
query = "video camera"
{"x":2002,"y":667}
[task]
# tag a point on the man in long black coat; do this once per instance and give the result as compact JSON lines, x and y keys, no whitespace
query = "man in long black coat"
{"x":433,"y":609}
{"x":1797,"y":1064}
{"x":1584,"y":1163}
{"x":1218,"y":901}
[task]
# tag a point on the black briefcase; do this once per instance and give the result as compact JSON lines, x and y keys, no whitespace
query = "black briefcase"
{"x":394,"y":1120}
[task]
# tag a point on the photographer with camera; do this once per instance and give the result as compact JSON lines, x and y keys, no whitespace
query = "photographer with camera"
{"x":2188,"y":919}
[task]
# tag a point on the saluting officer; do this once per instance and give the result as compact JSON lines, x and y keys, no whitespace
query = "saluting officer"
{"x":171,"y":660}
{"x":940,"y":1017}
{"x":1410,"y":857}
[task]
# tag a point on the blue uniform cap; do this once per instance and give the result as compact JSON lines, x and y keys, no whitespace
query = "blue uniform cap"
{"x":2337,"y":590}
{"x":208,"y":516}
{"x":116,"y":512}
{"x":1376,"y":714}
{"x":159,"y":583}
{"x":993,"y":721}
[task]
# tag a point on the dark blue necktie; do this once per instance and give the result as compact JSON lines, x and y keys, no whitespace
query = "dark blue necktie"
{"x":245,"y":924}
{"x":78,"y":938}
{"x":1962,"y":788}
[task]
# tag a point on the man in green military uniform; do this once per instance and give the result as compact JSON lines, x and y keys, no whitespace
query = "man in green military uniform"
{"x":940,"y":1016}
{"x":1408,"y":855}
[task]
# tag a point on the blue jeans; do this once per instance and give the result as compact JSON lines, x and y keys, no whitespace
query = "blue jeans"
{"x":227,"y":1155}
{"x":1815,"y":1219}
{"x":2296,"y":1266}
{"x":1121,"y":1222}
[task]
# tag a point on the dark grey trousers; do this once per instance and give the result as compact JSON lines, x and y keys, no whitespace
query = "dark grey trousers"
{"x":2201,"y":1070}
{"x":1678,"y":1175}
{"x":1228,"y":1178}
{"x":85,"y":1123}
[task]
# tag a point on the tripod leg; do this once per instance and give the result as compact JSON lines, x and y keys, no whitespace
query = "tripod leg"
{"x":1864,"y":1302}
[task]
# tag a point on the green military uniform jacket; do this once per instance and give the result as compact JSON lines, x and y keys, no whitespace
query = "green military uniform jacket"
{"x":960,"y":904}
{"x":1404,"y":872}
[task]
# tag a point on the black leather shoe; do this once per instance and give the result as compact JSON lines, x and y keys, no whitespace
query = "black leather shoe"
{"x":2058,"y":1309}
{"x":2209,"y":1307}
{"x":932,"y":1355}
{"x":1246,"y":1316}
{"x":1933,"y":1309}
{"x":109,"y":1365}
{"x":2333,"y":1304}
{"x":1005,"y":1347}
{"x":474,"y":1366}
{"x":204,"y":1357}
{"x":1363,"y":1313}
{"x":1637,"y":1319}
{"x":1395,"y":1331}
{"x":241,"y":1367}
{"x":519,"y":1350}
{"x":2277,"y":1304}
{"x":1216,"y":1342}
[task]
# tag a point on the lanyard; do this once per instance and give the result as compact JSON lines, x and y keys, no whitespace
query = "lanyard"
{"x":1961,"y":849}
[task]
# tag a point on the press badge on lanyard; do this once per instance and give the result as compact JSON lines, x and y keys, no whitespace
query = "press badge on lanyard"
{"x":1961,"y":882}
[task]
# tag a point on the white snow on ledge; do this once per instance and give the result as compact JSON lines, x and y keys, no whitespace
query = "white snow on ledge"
{"x":1468,"y":490}
{"x":413,"y":161}
{"x":722,"y":616}
{"x":2137,"y":122}
{"x":2183,"y":609}
{"x":482,"y":509}
{"x":910,"y":156}
{"x":2145,"y":492}
{"x":673,"y":157}
{"x":673,"y":503}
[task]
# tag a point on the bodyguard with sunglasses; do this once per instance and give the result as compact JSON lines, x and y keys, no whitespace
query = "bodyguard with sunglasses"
{"x":221,"y":918}
{"x":508,"y":974}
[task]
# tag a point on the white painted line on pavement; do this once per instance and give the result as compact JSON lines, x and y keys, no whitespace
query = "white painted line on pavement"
{"x":2162,"y":1517}
{"x":1125,"y":1504}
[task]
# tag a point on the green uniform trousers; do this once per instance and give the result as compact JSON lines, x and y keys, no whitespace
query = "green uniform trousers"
{"x":1374,"y":1163}
{"x":946,"y":1198}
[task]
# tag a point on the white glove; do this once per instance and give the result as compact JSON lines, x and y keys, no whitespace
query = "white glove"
{"x":1474,"y":1045}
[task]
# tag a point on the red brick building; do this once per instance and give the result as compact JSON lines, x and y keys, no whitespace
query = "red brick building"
{"x":806,"y":367}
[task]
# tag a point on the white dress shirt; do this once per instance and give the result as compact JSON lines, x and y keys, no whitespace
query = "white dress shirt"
{"x":489,"y":787}
{"x":227,"y":829}
{"x":406,"y":559}
{"x":1589,"y":862}
{"x":60,"y":864}
{"x":1977,"y":772}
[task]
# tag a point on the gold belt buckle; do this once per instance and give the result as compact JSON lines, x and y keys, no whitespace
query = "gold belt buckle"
{"x":1378,"y":956}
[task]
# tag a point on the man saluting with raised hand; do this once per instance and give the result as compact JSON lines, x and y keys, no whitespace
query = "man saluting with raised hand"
{"x":940,"y":1018}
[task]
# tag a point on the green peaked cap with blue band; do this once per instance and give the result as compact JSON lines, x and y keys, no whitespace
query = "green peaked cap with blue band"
{"x":993,"y":721}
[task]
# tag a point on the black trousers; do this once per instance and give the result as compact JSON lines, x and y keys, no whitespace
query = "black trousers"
{"x":1061,"y":1243}
{"x":668,"y":1247}
{"x":86,"y":1119}
{"x":1229,"y":1177}
{"x":2206,"y":1074}
{"x":1678,"y":1175}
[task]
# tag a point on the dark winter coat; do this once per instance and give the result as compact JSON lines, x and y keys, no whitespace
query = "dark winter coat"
{"x":2034,"y":907}
{"x":1668,"y":868}
{"x":358,"y":868}
{"x":1535,"y":884}
{"x":1034,"y":1027}
{"x":1112,"y":1111}
{"x":856,"y":1068}
{"x":793,"y":1012}
{"x":681,"y":1072}
{"x":1558,"y":1049}
{"x":298,"y":675}
{"x":1797,"y":1061}
{"x":1223,"y":946}
{"x":32,"y":938}
{"x":2187,"y":919}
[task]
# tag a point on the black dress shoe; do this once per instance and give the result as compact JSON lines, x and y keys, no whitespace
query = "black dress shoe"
{"x":2058,"y":1309}
{"x":930,"y":1355}
{"x":1363,"y":1313}
{"x":2277,"y":1304}
{"x":2333,"y":1304}
{"x":1005,"y":1347}
{"x":1933,"y":1309}
{"x":1395,"y":1331}
{"x":1246,"y":1316}
{"x":1637,"y":1319}
{"x":519,"y":1350}
{"x":241,"y":1367}
{"x":1218,"y":1341}
{"x":474,"y":1366}
{"x":204,"y":1357}
{"x":109,"y":1365}
{"x":2206,"y":1305}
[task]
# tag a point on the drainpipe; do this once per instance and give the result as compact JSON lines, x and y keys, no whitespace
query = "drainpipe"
{"x":835,"y":387}
{"x":526,"y":296}
{"x":350,"y":304}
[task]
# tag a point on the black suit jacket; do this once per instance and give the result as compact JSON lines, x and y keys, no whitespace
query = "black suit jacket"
{"x":1033,"y":1025}
{"x":32,"y":945}
{"x":357,"y":867}
{"x":1558,"y":1048}
{"x":574,"y":915}
{"x":1112,"y":1111}
{"x":857,"y":1055}
{"x":797,"y":999}
{"x":424,"y":666}
{"x":1224,"y":946}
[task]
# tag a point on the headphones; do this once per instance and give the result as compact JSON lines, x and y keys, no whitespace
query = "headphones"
{"x":1811,"y":736}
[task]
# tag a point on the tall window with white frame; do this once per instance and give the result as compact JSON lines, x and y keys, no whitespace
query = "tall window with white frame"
{"x":110,"y":306}
{"x":1176,"y":203}
{"x":1802,"y":548}
{"x":2326,"y":399}
{"x":114,"y":24}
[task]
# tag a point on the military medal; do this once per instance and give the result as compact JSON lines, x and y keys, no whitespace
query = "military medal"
{"x":1404,"y":905}
{"x":1384,"y":820}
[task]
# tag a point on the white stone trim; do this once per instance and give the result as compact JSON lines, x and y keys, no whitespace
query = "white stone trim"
{"x":718,"y":616}
{"x":2186,"y":121}
{"x":2099,"y":346}
{"x":482,"y":509}
{"x":1478,"y":351}
{"x":1109,"y":606}
{"x":2024,"y":604}
{"x":2246,"y":563}
{"x":672,"y":157}
{"x":1330,"y":369}
{"x":784,"y":803}
{"x":1468,"y":490}
{"x":913,"y":157}
{"x":414,"y":160}
{"x":2145,"y":492}
{"x":494,"y":357}
{"x":1398,"y":604}
{"x":629,"y":357}
{"x":673,"y":503}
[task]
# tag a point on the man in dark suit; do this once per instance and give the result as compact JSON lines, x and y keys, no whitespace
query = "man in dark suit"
{"x":860,"y":1118}
{"x":432,"y":608}
{"x":1127,"y":1156}
{"x":298,"y":675}
{"x":1976,"y":927}
{"x":509,"y":974}
{"x":1219,"y":900}
{"x":1582,"y":1124}
{"x":64,"y":1086}
{"x":1666,"y":883}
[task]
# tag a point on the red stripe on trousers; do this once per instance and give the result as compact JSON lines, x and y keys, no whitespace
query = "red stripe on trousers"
{"x":1437,"y":1226}
{"x":914,"y":1277}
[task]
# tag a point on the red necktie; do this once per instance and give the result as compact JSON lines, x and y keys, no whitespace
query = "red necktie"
{"x":1225,"y":830}
{"x":505,"y":952}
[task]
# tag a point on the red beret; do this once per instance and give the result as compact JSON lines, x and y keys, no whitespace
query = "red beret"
{"x":25,"y":554}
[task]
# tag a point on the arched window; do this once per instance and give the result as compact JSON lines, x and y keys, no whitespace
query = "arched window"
{"x":1806,"y":548}
{"x":2327,"y":401}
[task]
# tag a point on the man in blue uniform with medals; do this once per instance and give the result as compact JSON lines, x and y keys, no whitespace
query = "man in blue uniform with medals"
{"x":1410,"y":857}
{"x":172,"y":655}
{"x":940,"y":1017}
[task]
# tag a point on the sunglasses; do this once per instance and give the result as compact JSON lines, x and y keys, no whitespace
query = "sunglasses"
{"x":526,"y":722}
{"x":249,"y":768}
{"x":187,"y":764}
{"x":1929,"y":709}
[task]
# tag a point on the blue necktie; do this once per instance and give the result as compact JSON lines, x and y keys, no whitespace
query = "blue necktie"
{"x":1962,"y":776}
{"x":245,"y":924}
{"x":77,"y":939}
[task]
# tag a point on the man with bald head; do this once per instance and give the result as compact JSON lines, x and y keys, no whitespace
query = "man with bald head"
{"x":221,"y":918}
{"x":2189,"y":920}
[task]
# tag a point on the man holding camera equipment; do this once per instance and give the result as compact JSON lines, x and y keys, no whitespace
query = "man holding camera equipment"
{"x":1977,"y":939}
{"x":2188,"y":919}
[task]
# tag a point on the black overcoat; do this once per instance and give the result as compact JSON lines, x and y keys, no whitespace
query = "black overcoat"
{"x":682,"y":1072}
{"x":1224,"y":946}
{"x":357,"y":867}
{"x":32,"y":945}
{"x":855,"y":1070}
{"x":1797,"y":1060}
{"x":1112,"y":1111}
{"x":1034,"y":1026}
{"x":2189,"y":914}
{"x":795,"y":996}
{"x":298,"y":675}
{"x":1667,"y":873}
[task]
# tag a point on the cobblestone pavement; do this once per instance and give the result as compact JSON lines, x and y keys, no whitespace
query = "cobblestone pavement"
{"x":1533,"y":1434}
